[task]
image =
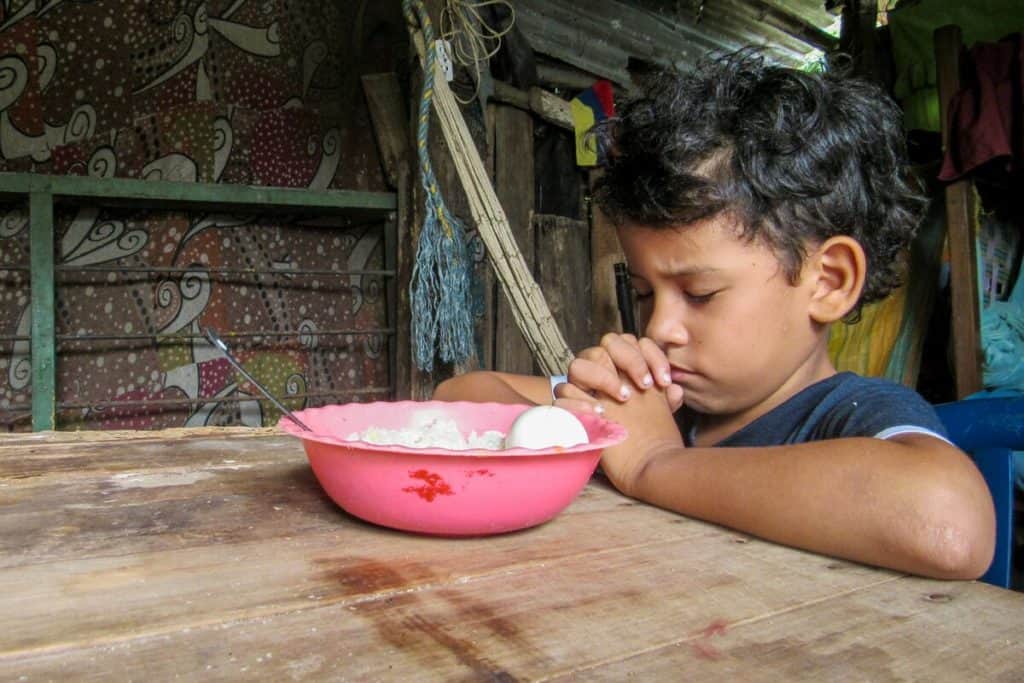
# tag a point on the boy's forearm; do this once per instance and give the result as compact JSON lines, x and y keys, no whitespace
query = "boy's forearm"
{"x":495,"y":387}
{"x":920,"y":510}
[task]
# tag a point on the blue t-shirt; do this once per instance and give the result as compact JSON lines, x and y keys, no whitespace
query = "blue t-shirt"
{"x":843,"y":405}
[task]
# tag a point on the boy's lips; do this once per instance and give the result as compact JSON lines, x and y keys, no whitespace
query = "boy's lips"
{"x":680,"y":375}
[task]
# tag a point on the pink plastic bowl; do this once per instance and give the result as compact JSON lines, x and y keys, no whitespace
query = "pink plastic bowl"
{"x":442,"y":491}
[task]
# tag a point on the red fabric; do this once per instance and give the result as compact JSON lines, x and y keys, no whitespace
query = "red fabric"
{"x":603,"y":90}
{"x":985,"y":114}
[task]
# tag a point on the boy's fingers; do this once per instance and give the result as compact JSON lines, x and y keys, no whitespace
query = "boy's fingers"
{"x":628,"y":338}
{"x":590,"y":406}
{"x":590,"y":375}
{"x":610,"y":337}
{"x":571,"y":391}
{"x":675,"y":395}
{"x":598,"y":356}
{"x":625,"y":352}
{"x":657,"y":363}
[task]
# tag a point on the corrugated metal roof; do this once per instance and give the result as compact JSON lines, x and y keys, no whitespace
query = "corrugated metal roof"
{"x":601,"y":36}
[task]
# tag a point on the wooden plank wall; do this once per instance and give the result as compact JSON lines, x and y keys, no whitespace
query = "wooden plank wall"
{"x":514,"y":185}
{"x":605,"y":252}
{"x":563,"y":272}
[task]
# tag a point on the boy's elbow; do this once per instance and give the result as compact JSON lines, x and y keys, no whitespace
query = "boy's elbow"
{"x":964,"y":554}
{"x":959,"y":541}
{"x":447,"y":390}
{"x":464,"y":387}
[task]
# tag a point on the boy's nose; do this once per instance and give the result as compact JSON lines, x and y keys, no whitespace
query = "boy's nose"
{"x":666,"y":327}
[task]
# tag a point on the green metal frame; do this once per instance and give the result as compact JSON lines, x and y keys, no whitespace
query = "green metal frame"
{"x":44,"y":191}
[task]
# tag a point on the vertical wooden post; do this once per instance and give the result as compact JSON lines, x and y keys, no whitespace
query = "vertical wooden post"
{"x":563,"y":273}
{"x":960,"y":226}
{"x":514,"y":186}
{"x":398,"y":392}
{"x":44,"y":351}
{"x":394,"y":139}
{"x":859,"y":38}
{"x":605,"y":252}
{"x":409,"y":381}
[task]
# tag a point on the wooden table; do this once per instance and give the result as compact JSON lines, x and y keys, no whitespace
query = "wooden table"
{"x":214,"y":555}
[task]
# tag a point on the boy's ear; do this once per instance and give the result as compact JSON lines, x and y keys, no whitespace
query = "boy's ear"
{"x":839,"y":268}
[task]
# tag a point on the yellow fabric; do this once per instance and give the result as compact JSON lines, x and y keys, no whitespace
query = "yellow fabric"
{"x":866,"y":347}
{"x":583,"y":121}
{"x":889,"y":340}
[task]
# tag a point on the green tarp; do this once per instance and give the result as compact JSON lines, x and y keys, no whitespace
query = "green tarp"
{"x":912,"y":25}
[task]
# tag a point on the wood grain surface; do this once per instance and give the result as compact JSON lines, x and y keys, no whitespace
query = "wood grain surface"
{"x":214,"y":555}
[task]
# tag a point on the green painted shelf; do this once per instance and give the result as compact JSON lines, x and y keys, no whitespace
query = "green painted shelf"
{"x":44,"y":191}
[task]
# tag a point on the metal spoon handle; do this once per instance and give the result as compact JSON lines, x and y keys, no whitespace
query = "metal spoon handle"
{"x":223,"y":348}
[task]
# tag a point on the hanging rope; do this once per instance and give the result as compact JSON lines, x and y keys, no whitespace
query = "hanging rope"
{"x":473,"y":41}
{"x":530,"y":310}
{"x":442,"y":319}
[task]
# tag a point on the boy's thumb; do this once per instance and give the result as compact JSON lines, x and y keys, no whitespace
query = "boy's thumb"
{"x":674,"y":393}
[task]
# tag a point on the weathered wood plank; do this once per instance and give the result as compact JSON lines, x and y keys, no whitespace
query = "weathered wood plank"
{"x":877,"y":633}
{"x":181,"y":565}
{"x":960,"y":225}
{"x":860,"y":39}
{"x":514,"y":186}
{"x":201,"y":196}
{"x":546,"y":105}
{"x":60,"y":453}
{"x":170,"y":495}
{"x":389,"y":115}
{"x":563,"y":272}
{"x":400,"y":618}
{"x":43,"y":286}
{"x":605,"y":252}
{"x":160,"y":591}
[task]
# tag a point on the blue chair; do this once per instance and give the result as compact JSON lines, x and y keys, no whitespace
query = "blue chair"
{"x":990,"y":430}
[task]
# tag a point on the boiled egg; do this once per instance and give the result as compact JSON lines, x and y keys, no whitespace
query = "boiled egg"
{"x":546,"y":427}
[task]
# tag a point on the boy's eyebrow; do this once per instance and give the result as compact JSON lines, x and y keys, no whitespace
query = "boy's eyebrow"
{"x":684,"y":270}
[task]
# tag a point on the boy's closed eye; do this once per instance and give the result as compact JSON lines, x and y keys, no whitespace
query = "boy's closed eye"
{"x":692,"y":297}
{"x":700,"y":298}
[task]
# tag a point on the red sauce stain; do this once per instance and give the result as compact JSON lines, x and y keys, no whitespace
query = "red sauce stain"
{"x":703,"y":647}
{"x":432,"y":487}
{"x":705,"y":650}
{"x":715,"y":628}
{"x":479,"y":473}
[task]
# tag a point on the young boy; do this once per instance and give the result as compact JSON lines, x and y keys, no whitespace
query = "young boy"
{"x":757,"y":206}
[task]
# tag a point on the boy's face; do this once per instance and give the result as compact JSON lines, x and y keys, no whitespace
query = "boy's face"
{"x":735,"y":329}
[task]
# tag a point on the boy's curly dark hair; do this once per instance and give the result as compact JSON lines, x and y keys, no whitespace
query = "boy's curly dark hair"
{"x":798,"y":157}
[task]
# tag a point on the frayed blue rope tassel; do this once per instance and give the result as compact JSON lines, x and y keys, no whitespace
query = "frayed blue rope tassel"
{"x":442,"y":317}
{"x":440,"y":293}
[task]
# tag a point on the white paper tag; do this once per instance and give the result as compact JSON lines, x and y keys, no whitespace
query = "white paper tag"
{"x":443,"y":55}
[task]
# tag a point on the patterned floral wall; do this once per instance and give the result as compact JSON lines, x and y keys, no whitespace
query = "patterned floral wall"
{"x":256,"y":92}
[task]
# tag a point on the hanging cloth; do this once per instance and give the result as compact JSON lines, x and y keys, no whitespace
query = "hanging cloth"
{"x":985,"y":114}
{"x":1002,"y":338}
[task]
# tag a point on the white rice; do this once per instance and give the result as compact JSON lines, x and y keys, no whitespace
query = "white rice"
{"x":431,"y":430}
